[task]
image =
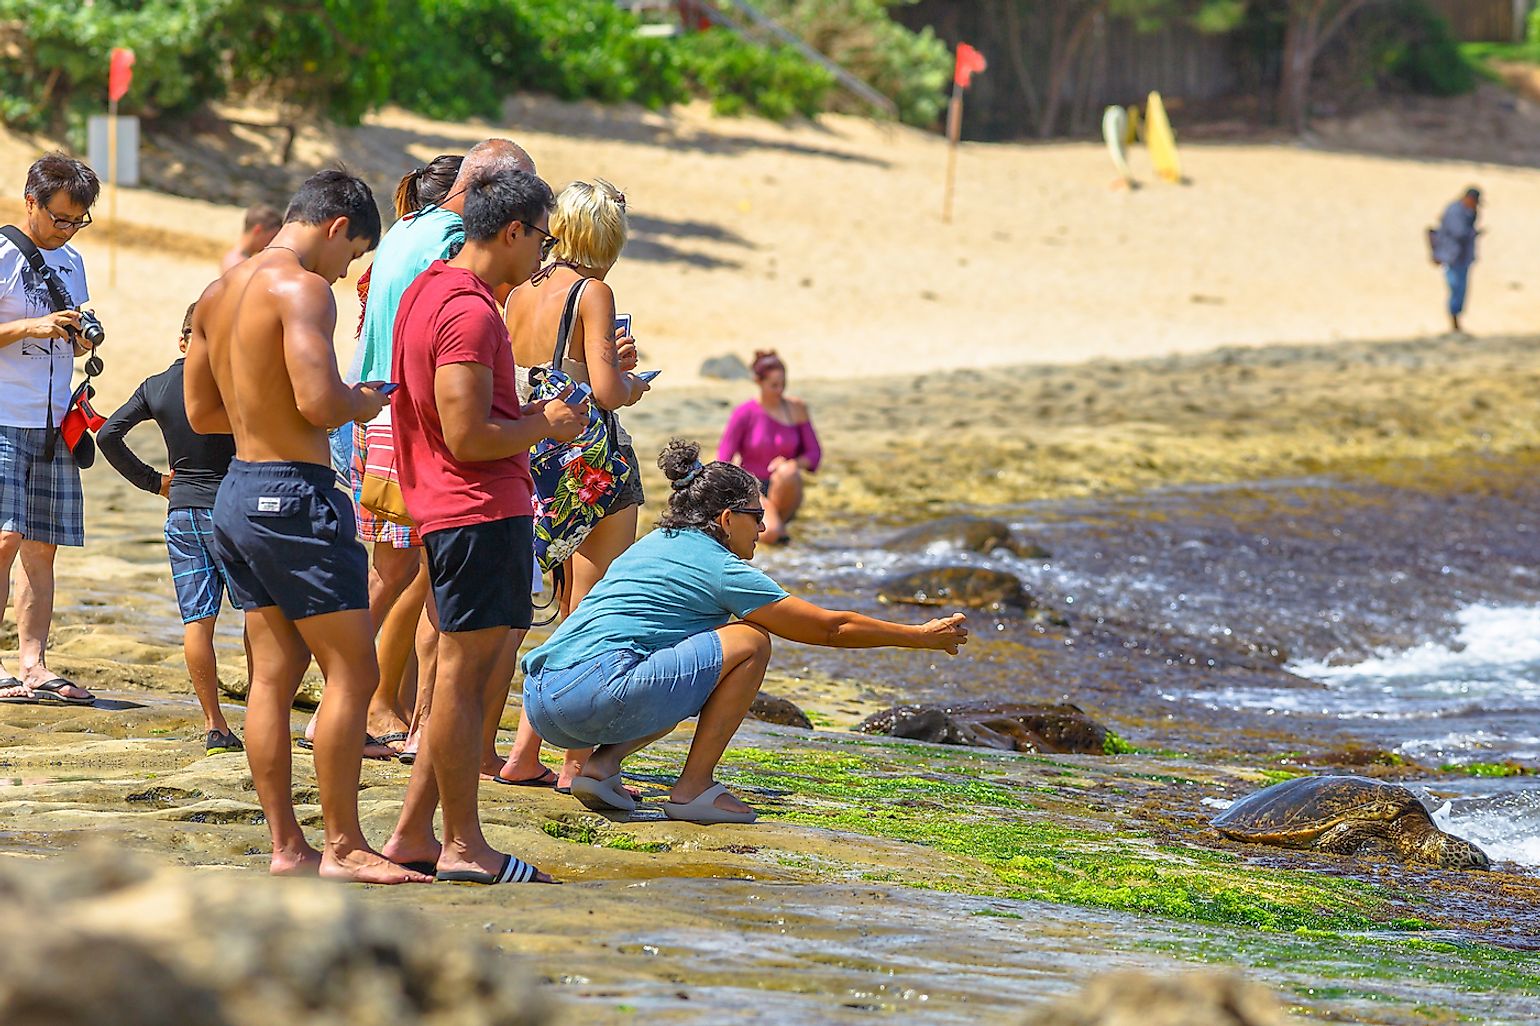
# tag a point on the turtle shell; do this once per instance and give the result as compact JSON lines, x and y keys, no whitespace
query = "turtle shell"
{"x":1297,"y":811}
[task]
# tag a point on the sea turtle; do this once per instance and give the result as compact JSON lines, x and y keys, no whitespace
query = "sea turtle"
{"x":1062,"y":728}
{"x":1346,"y":815}
{"x":970,"y":586}
{"x":976,"y":534}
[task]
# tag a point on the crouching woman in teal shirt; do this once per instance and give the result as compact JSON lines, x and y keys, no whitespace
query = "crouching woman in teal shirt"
{"x":656,"y":642}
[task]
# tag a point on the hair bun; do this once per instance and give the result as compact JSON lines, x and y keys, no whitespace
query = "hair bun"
{"x":678,"y":458}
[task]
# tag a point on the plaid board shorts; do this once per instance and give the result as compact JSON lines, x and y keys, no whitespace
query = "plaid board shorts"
{"x":40,"y":499}
{"x":374,"y":447}
{"x":199,"y":580}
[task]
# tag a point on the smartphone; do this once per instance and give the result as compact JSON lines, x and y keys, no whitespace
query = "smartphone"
{"x":580,"y":394}
{"x":382,"y":387}
{"x":648,"y":375}
{"x":623,"y":323}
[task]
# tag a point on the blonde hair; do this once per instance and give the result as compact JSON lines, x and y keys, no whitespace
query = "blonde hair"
{"x":590,"y":223}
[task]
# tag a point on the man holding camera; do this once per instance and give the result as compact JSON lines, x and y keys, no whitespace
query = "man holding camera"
{"x":42,"y":332}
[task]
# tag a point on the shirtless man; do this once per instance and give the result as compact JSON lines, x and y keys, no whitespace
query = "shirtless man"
{"x":261,"y":366}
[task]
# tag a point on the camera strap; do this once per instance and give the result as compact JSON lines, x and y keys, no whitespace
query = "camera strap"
{"x":61,"y":301}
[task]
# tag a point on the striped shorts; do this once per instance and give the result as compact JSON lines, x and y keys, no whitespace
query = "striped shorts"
{"x":199,"y":580}
{"x":40,"y":499}
{"x":375,"y":448}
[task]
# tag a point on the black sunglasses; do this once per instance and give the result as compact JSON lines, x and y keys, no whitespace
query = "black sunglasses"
{"x":546,"y":244}
{"x":757,"y":512}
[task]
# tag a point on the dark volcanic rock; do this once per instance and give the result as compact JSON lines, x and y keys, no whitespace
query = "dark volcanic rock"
{"x":976,"y":534}
{"x":969,"y":586}
{"x":726,"y":367}
{"x":782,"y":711}
{"x":1055,"y":729}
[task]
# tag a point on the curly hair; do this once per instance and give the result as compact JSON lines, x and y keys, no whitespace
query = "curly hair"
{"x":702,"y":491}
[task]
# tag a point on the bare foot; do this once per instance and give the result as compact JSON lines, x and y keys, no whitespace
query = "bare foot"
{"x":305,"y":862}
{"x":361,"y":865}
{"x":402,"y":852}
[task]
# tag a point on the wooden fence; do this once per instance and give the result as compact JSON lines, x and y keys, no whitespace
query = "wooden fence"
{"x":1486,"y":21}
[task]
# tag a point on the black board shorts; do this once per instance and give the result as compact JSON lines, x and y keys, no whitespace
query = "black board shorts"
{"x":284,"y":535}
{"x":482,"y":574}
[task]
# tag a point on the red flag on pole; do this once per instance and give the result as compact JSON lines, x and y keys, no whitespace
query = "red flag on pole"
{"x":969,"y":61}
{"x":120,"y":73}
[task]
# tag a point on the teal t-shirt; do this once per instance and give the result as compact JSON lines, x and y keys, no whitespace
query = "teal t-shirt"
{"x":407,"y":249}
{"x":667,"y":587}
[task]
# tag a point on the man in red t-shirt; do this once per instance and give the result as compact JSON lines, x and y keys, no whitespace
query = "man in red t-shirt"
{"x":463,"y":445}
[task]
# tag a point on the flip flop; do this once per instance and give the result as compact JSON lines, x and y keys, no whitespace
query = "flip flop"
{"x":547,"y":778}
{"x":52,"y":690}
{"x":703,"y":809}
{"x":395,"y":737}
{"x":425,"y":868}
{"x":602,"y":795}
{"x":369,"y":740}
{"x":514,"y":871}
{"x":23,"y":697}
{"x":406,"y":758}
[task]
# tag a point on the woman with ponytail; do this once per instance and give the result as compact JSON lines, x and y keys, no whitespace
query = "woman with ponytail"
{"x":680,"y":626}
{"x":772,"y":438}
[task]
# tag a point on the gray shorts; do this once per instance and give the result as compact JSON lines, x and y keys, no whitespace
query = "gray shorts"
{"x":40,"y":499}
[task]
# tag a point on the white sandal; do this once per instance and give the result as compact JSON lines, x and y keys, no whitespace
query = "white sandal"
{"x":605,"y":795}
{"x":703,"y":809}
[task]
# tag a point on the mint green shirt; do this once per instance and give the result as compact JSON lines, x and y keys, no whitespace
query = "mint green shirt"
{"x":407,"y":249}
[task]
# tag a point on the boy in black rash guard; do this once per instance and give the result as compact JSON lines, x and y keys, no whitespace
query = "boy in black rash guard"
{"x":198,"y":464}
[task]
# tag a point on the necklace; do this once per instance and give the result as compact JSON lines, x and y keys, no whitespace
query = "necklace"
{"x":291,"y":249}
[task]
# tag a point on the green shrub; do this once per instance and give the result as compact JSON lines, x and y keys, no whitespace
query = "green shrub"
{"x":1421,"y":53}
{"x":774,"y":82}
{"x":912,"y":68}
{"x":56,"y":72}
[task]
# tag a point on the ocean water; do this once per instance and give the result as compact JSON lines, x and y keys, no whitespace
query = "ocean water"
{"x":1475,"y":700}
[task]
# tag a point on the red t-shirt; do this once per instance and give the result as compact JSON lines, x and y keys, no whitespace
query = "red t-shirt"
{"x":448,"y":315}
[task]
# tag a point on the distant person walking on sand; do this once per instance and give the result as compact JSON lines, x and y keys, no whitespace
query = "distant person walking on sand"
{"x":772,"y":438}
{"x":198,"y":467}
{"x":464,"y":440}
{"x":568,"y":306}
{"x":262,"y":223}
{"x":261,"y":365}
{"x":41,"y":504}
{"x":1454,"y":247}
{"x":679,"y":627}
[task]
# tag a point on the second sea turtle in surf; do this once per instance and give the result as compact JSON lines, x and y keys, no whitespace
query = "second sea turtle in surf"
{"x":1346,"y":816}
{"x":969,"y":586}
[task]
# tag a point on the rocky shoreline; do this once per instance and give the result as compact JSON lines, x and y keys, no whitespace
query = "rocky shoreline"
{"x":940,"y":882}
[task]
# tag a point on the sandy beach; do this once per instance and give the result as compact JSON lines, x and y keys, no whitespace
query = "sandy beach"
{"x":1063,"y":354}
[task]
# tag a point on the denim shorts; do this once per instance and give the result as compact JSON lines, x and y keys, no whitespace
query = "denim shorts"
{"x":199,"y":580}
{"x":622,"y":696}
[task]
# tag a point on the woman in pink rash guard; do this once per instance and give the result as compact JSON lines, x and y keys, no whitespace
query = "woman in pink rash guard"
{"x":772,"y":438}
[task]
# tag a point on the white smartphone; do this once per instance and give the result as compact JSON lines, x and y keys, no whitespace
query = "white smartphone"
{"x":648,"y":375}
{"x":623,"y":323}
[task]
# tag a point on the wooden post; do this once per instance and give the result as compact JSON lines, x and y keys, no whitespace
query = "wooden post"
{"x":953,"y":134}
{"x":112,"y":193}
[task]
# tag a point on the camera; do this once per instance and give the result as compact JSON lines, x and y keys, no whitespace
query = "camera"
{"x":90,"y":329}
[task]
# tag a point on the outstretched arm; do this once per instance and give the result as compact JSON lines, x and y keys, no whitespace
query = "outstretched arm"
{"x":206,"y":412}
{"x":799,"y":620}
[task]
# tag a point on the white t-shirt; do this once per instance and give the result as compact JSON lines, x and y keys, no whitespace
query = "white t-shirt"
{"x":24,"y":364}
